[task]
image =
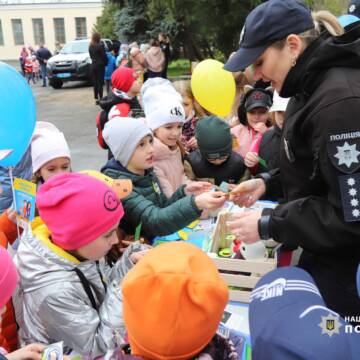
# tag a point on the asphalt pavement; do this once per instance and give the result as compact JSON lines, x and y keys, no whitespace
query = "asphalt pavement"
{"x":72,"y":109}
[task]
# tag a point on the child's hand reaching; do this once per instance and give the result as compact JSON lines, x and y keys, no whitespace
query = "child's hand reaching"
{"x":260,"y":127}
{"x":135,"y":257}
{"x":29,"y":352}
{"x":192,"y":143}
{"x":197,"y":187}
{"x":210,"y":200}
{"x":251,"y":159}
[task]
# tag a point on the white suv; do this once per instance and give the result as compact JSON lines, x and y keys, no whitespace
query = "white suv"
{"x":72,"y":63}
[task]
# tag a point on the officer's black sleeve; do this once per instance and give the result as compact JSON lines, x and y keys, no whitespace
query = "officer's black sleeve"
{"x":329,"y":223}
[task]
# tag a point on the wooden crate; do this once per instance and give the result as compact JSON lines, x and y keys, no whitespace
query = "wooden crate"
{"x":237,"y":267}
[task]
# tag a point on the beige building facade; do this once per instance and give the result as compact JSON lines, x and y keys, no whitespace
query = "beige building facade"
{"x":32,"y":22}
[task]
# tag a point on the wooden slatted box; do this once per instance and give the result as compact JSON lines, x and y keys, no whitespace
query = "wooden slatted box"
{"x":232,"y":270}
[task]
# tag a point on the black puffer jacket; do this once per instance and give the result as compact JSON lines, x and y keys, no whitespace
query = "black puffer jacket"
{"x":198,"y":168}
{"x":270,"y":151}
{"x":320,"y":160}
{"x":320,"y":119}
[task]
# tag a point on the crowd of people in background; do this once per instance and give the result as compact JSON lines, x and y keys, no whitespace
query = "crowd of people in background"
{"x":148,"y":60}
{"x":33,"y":63}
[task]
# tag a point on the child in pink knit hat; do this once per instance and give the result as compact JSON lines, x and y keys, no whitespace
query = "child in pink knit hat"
{"x":68,"y":291}
{"x":8,"y":281}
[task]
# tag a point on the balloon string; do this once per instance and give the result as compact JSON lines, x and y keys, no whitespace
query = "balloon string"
{"x":13,"y":194}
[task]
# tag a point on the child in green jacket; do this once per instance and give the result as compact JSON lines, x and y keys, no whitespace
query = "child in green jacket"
{"x":131,"y":142}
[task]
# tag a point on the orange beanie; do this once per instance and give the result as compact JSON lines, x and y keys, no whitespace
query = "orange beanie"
{"x":173,"y":300}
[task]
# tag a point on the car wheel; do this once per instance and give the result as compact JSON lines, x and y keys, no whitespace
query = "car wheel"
{"x":56,"y":83}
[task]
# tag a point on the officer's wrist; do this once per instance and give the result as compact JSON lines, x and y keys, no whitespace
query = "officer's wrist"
{"x":264,"y":224}
{"x":265,"y":176}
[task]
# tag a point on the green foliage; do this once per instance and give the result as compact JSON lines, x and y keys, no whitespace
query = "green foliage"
{"x":337,"y":7}
{"x":179,"y":67}
{"x":106,"y":24}
{"x":132,"y":21}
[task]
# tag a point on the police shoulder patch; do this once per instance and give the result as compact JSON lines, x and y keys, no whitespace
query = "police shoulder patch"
{"x":350,"y":196}
{"x":344,"y":151}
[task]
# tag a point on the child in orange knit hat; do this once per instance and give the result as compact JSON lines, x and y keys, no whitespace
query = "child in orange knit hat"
{"x":179,"y":320}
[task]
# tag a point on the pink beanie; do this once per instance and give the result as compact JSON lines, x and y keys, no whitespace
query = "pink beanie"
{"x":8,"y":277}
{"x":77,"y":209}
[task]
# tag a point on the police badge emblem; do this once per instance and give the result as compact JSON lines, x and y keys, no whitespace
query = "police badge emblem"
{"x":344,"y":151}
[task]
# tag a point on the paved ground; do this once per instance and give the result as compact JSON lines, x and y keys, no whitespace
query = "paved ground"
{"x":72,"y":109}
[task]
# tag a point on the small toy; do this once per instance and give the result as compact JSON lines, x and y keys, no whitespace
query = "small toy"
{"x":225,"y":253}
{"x":53,"y":352}
{"x":122,"y":187}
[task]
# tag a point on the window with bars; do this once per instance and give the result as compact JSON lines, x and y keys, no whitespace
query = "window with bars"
{"x":38,"y":28}
{"x":17,"y":31}
{"x":80,"y":25}
{"x":59,"y":30}
{"x":1,"y":35}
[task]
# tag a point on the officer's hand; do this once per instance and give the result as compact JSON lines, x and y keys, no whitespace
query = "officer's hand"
{"x":248,"y":192}
{"x":245,"y":226}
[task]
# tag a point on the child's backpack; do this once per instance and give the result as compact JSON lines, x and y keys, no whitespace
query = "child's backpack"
{"x":113,"y":105}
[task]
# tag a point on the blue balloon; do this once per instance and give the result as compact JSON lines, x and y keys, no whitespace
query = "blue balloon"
{"x":17,"y":114}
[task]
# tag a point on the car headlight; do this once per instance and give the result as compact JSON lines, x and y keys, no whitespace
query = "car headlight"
{"x":85,"y":61}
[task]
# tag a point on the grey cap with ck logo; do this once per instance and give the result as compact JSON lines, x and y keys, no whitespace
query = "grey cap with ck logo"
{"x":269,"y":22}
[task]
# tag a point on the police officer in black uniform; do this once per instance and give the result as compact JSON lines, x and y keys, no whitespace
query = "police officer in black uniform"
{"x":307,"y":57}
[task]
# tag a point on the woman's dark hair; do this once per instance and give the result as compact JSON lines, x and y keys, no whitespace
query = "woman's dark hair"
{"x":154,"y":42}
{"x":95,"y":38}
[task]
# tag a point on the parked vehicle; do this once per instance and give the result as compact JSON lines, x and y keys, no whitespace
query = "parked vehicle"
{"x":72,"y":63}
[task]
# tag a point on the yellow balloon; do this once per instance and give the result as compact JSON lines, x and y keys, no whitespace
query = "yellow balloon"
{"x":213,"y":87}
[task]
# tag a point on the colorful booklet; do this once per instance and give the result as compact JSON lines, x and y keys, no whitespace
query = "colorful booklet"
{"x":25,"y":193}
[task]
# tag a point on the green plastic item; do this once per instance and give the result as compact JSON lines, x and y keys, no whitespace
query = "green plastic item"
{"x":138,"y":232}
{"x":225,"y":253}
{"x":262,"y":162}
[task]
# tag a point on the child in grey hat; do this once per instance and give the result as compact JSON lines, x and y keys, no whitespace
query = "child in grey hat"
{"x":131,"y":142}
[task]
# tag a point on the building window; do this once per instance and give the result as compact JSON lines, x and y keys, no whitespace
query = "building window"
{"x":80,"y":24}
{"x":17,"y":31}
{"x":38,"y":28}
{"x":1,"y":34}
{"x":59,"y":29}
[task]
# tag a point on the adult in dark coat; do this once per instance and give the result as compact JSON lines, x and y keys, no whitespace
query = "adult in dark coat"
{"x":99,"y":61}
{"x":43,"y":55}
{"x":165,"y":48}
{"x":306,"y":58}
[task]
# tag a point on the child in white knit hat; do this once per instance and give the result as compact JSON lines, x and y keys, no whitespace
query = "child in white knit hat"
{"x":49,"y":152}
{"x":165,"y":116}
{"x":147,"y":207}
